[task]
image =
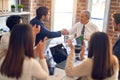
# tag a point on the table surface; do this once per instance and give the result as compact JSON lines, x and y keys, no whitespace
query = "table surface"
{"x":60,"y":75}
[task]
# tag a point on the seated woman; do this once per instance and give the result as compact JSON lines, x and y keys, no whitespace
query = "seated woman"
{"x":100,"y":64}
{"x":18,"y":63}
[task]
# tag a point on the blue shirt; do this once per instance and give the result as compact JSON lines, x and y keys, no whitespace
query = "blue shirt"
{"x":44,"y":32}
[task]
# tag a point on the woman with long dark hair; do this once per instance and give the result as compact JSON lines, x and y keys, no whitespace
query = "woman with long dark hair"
{"x":100,"y":64}
{"x":18,"y":63}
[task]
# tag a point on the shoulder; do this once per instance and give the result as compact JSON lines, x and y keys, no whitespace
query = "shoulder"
{"x":6,"y":35}
{"x":5,"y":38}
{"x":116,"y":61}
{"x":88,"y":61}
{"x":35,"y":21}
{"x":115,"y":58}
{"x":92,"y":25}
{"x":30,"y":61}
{"x":77,"y":24}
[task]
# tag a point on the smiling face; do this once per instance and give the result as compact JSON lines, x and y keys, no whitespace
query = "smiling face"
{"x":84,"y":19}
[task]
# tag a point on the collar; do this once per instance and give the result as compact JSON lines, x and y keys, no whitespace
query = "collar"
{"x":86,"y":24}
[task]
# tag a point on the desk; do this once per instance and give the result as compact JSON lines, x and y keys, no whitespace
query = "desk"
{"x":60,"y":75}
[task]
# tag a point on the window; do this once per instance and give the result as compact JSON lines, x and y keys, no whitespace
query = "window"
{"x":15,"y":2}
{"x":63,"y":14}
{"x":99,"y":13}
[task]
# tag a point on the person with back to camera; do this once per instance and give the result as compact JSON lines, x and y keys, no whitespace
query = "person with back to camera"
{"x":42,"y":14}
{"x":101,"y":64}
{"x":18,"y":63}
{"x":10,"y":22}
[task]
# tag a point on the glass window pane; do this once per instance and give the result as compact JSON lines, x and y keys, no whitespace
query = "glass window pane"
{"x":62,"y":20}
{"x":61,"y":6}
{"x":63,"y":14}
{"x":97,"y":13}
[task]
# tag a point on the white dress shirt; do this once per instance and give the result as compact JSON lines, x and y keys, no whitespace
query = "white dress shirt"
{"x":89,"y":29}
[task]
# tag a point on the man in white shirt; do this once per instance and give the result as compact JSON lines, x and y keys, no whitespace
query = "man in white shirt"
{"x":84,"y":28}
{"x":84,"y":21}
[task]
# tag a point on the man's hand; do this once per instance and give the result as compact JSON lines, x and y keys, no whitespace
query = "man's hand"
{"x":64,"y":32}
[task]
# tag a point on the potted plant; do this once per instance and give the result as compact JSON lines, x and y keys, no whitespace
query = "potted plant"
{"x":20,"y":7}
{"x":12,"y":8}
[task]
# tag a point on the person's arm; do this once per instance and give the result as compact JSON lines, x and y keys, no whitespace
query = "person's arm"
{"x":49,"y":34}
{"x":82,"y":52}
{"x":35,"y":31}
{"x":44,"y":31}
{"x":81,"y":69}
{"x":40,"y":69}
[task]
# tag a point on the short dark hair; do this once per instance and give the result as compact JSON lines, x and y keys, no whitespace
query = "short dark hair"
{"x":12,"y":20}
{"x":101,"y":52}
{"x":116,"y":17}
{"x":20,"y":45}
{"x":41,"y":11}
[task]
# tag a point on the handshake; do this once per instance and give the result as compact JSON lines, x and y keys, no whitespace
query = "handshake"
{"x":64,"y":32}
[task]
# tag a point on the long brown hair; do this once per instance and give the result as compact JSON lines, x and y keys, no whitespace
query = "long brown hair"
{"x":101,"y":52}
{"x":20,"y":45}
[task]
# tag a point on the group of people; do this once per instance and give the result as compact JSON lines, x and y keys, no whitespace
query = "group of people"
{"x":25,"y":41}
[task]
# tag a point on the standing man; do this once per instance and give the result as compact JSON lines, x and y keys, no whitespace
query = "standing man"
{"x":42,"y":14}
{"x":116,"y":47}
{"x":116,"y":23}
{"x":89,"y":27}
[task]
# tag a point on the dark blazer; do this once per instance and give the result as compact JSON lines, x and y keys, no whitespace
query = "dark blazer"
{"x":116,"y":48}
{"x":44,"y":31}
